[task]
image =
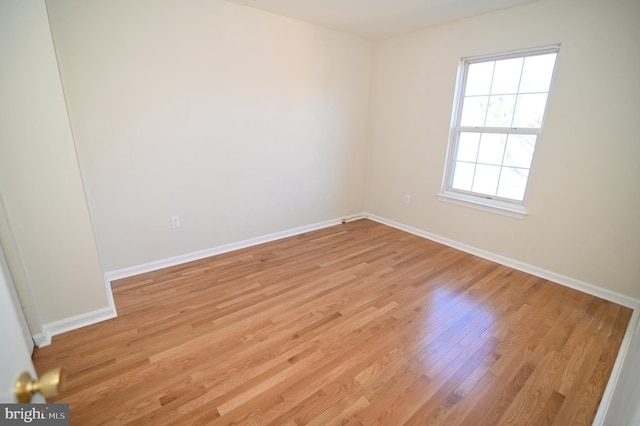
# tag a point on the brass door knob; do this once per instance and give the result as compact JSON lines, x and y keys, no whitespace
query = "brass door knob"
{"x":49,"y":384}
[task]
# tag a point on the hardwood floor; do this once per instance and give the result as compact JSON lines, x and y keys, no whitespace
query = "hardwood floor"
{"x":354,"y":324}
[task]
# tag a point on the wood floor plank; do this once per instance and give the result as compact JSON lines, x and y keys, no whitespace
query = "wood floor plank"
{"x":357,"y":324}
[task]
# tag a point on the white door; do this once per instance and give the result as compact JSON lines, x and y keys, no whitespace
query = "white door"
{"x":15,"y":349}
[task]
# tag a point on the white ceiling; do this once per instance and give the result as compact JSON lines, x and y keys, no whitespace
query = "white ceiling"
{"x":379,"y":19}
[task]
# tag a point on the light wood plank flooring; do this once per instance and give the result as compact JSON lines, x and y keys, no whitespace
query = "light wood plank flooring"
{"x":354,"y":324}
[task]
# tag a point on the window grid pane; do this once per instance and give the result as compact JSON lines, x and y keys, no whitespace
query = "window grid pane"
{"x":493,"y":164}
{"x":506,"y":79}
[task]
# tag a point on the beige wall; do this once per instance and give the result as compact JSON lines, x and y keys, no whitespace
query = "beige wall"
{"x":44,"y":226}
{"x":584,"y":194}
{"x":241,"y":122}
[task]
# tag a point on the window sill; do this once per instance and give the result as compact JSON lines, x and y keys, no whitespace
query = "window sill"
{"x":491,"y":207}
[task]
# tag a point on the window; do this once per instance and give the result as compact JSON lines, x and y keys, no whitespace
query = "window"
{"x":497,"y":121}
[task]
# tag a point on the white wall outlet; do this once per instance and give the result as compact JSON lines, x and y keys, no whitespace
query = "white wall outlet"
{"x":407,"y":199}
{"x":175,"y":222}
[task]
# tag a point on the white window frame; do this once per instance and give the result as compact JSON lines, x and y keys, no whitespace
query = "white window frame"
{"x":494,"y":204}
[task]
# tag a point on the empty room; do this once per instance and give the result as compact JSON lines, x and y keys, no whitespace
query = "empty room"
{"x":288,"y":212}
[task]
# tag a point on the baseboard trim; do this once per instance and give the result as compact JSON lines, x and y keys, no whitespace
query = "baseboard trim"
{"x":202,"y":254}
{"x":616,"y":372}
{"x":576,"y":284}
{"x":564,"y":280}
{"x":51,"y":329}
{"x":73,"y":323}
{"x":41,"y":340}
{"x":69,"y":324}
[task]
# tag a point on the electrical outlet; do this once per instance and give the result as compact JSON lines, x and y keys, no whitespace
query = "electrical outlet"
{"x":175,"y":222}
{"x":407,"y":199}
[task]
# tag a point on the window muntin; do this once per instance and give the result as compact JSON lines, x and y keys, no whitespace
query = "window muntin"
{"x":499,"y":117}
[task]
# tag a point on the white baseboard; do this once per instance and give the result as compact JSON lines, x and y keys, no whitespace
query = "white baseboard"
{"x":202,"y":254}
{"x":73,"y":323}
{"x":68,"y":324}
{"x":584,"y":287}
{"x":78,"y":321}
{"x":41,"y":340}
{"x":616,"y":372}
{"x":576,"y":284}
